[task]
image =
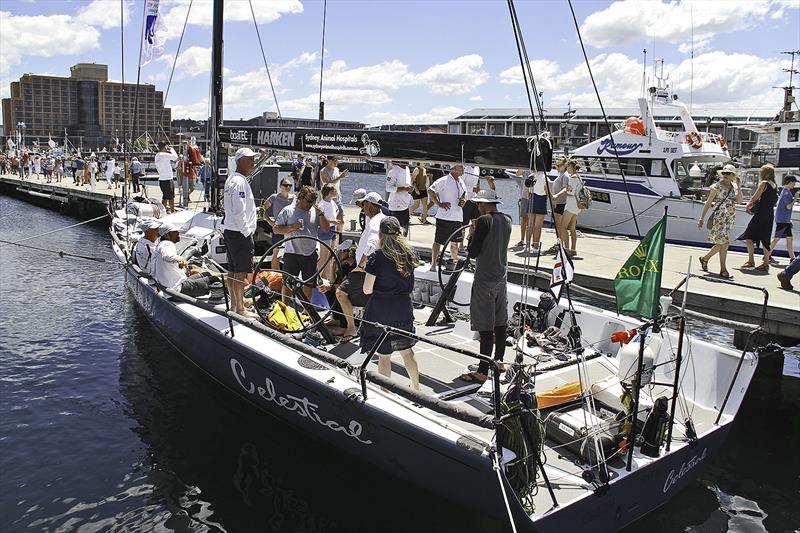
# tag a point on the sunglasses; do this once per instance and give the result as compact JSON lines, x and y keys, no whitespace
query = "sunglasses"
{"x":286,"y":184}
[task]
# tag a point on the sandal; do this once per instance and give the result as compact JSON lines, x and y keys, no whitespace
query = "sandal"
{"x":725,"y":275}
{"x":748,"y":264}
{"x":762,"y":268}
{"x":344,"y":339}
{"x":703,"y":264}
{"x":473,"y":377}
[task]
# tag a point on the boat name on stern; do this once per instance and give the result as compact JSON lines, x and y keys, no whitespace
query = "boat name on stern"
{"x":302,"y":406}
{"x":673,"y":477}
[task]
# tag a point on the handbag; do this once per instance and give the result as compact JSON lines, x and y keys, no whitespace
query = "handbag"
{"x":583,"y":197}
{"x":710,"y":221}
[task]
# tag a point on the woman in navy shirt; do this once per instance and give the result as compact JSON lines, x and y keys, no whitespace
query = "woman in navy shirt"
{"x":390,"y":280}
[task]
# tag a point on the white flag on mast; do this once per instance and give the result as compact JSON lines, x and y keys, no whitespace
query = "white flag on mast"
{"x":562,"y":273}
{"x":155,"y":33}
{"x":50,"y":142}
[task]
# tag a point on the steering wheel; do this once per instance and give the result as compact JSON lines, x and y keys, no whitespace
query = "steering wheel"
{"x":295,"y":283}
{"x":461,"y":264}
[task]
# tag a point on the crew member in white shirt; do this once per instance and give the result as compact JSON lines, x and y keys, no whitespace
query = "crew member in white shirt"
{"x":168,"y":266}
{"x":146,"y":246}
{"x":164,"y":160}
{"x":330,"y":174}
{"x":239,"y":225}
{"x":109,"y":169}
{"x":398,"y":185}
{"x":92,"y":168}
{"x":448,"y":194}
{"x":351,"y":291}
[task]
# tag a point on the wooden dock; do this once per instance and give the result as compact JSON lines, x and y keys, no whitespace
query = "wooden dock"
{"x":600,"y":256}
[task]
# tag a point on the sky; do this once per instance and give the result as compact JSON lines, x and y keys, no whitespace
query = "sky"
{"x":389,"y":61}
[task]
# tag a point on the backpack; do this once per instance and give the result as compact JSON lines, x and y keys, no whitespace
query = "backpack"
{"x":194,"y":155}
{"x":583,"y":197}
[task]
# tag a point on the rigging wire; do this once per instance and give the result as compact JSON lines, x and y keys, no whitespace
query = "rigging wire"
{"x":322,"y":54}
{"x":605,"y":118}
{"x":62,"y":253}
{"x":264,"y":57}
{"x":55,"y":230}
{"x":172,"y":71}
{"x":138,"y":78}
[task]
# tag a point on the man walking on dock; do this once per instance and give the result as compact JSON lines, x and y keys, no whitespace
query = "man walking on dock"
{"x":448,"y":195}
{"x":239,"y":225}
{"x":163,"y":161}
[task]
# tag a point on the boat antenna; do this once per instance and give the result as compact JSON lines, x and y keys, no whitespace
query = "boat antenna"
{"x":172,"y":72}
{"x":691,"y":59}
{"x":322,"y":59}
{"x":138,"y":78}
{"x":263,"y":55}
{"x":217,"y":152}
{"x":605,"y":119}
{"x":644,"y":72}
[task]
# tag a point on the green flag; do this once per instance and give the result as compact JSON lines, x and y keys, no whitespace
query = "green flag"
{"x":638,"y":283}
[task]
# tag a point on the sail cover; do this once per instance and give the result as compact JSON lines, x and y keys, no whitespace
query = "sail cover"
{"x":484,"y":150}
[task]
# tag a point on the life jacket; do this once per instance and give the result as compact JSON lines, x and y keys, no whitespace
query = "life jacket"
{"x":194,"y":155}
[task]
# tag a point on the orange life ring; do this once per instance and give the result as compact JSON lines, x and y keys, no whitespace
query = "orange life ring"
{"x":694,"y":140}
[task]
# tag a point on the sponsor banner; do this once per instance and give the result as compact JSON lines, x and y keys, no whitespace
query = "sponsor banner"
{"x":484,"y":150}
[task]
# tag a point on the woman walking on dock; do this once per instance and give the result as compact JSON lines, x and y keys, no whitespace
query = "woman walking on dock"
{"x":759,"y":229}
{"x":726,"y":193}
{"x":569,"y":220}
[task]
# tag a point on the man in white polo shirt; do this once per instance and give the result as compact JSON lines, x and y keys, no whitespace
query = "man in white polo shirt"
{"x":398,"y":185}
{"x":164,"y":160}
{"x":239,"y":224}
{"x":448,"y":193}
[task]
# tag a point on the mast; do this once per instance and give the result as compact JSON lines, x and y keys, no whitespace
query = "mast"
{"x":217,"y":153}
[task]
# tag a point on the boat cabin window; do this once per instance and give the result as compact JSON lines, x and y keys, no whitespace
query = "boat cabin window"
{"x":793,"y":135}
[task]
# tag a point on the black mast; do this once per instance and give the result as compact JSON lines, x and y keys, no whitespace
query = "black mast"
{"x":218,"y":154}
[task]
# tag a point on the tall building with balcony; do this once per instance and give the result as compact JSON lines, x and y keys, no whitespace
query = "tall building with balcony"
{"x":86,"y":107}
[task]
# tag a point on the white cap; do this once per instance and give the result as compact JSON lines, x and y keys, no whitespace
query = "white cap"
{"x":166,"y":228}
{"x":373,"y":198}
{"x":359,"y":195}
{"x":345,"y":245}
{"x":153,"y":224}
{"x":243,"y":152}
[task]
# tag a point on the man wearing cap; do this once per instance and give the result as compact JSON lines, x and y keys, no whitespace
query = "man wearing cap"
{"x":145,"y":246}
{"x":351,"y":292}
{"x":168,"y":266}
{"x":302,"y":218}
{"x":163,"y":161}
{"x":136,"y":173}
{"x":488,"y":310}
{"x":448,"y":194}
{"x":398,"y":185}
{"x":239,"y":224}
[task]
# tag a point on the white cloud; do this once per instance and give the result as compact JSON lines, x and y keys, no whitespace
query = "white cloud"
{"x":23,"y":35}
{"x":104,"y":13}
{"x":476,"y":98}
{"x":237,"y":11}
{"x":437,"y":115}
{"x":382,"y":76}
{"x":629,"y":21}
{"x":721,"y":80}
{"x":457,"y":76}
{"x":544,"y":74}
{"x":337,"y":99}
{"x":192,"y":62}
{"x":252,"y":88}
{"x":197,"y":111}
{"x":702,"y":45}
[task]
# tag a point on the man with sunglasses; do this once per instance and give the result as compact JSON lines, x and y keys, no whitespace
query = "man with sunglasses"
{"x":272,"y":207}
{"x":302,"y":218}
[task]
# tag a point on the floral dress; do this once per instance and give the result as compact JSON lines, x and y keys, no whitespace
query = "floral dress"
{"x":724,"y":215}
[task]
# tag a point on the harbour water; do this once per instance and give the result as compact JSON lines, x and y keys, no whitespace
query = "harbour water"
{"x":104,"y":427}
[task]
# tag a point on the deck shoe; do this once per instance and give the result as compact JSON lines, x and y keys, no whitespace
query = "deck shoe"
{"x":784,"y":279}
